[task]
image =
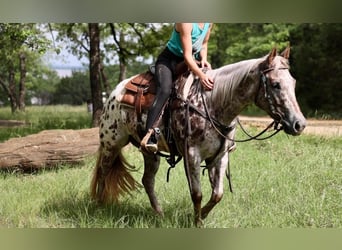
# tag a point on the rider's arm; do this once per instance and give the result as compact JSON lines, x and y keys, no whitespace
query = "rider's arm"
{"x":185,"y":36}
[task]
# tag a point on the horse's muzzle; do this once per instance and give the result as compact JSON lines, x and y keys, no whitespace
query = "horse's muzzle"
{"x":294,"y":127}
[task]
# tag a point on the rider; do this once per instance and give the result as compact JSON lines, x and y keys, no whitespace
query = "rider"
{"x":188,"y":40}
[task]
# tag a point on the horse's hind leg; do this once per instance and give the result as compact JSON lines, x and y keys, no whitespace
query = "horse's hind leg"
{"x":151,"y":167}
{"x":216,"y":177}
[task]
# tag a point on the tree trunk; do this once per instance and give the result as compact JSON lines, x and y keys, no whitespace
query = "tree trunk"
{"x":104,"y":80}
{"x":122,"y":60}
{"x":12,"y":93}
{"x":22,"y":88}
{"x":94,"y":72}
{"x":48,"y":149}
{"x":123,"y":70}
{"x":4,"y":86}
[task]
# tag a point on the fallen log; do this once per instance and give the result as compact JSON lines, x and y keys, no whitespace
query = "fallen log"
{"x":48,"y":149}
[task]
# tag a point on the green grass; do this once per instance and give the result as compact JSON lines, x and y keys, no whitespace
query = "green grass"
{"x":286,"y":182}
{"x":39,"y":118}
{"x":283,"y":182}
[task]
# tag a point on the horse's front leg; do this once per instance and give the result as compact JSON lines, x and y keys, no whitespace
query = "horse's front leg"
{"x":151,"y":163}
{"x":192,"y":169}
{"x":216,"y":177}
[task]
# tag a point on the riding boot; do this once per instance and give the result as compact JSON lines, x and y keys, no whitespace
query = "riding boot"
{"x":149,"y":142}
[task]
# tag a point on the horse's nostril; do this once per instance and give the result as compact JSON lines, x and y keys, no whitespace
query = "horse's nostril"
{"x":298,"y":126}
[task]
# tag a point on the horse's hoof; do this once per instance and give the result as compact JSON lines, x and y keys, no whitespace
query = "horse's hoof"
{"x":159,"y":212}
{"x":199,"y":223}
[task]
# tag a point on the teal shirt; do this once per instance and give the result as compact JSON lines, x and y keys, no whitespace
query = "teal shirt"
{"x":197,"y":37}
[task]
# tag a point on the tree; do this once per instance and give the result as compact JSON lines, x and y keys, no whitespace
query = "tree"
{"x":317,"y":65}
{"x":73,"y":90}
{"x":132,"y":40}
{"x":17,"y":42}
{"x":91,"y":41}
{"x":94,"y":72}
{"x":85,"y":39}
{"x":41,"y":83}
{"x":239,"y":41}
{"x":315,"y":57}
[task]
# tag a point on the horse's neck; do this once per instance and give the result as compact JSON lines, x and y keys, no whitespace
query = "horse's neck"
{"x":233,"y":91}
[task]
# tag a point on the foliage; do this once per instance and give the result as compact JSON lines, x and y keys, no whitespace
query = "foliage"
{"x":240,"y":41}
{"x":113,"y":71}
{"x":317,"y":65}
{"x":121,"y":43}
{"x":75,"y":35}
{"x":16,"y":35}
{"x":21,"y":45}
{"x":315,"y":57}
{"x":73,"y":90}
{"x":132,"y":40}
{"x":126,"y":48}
{"x":41,"y":84}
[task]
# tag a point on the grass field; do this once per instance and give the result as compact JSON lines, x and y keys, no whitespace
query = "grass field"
{"x":38,"y":118}
{"x":286,"y":182}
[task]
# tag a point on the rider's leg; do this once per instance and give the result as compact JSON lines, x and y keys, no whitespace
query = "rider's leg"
{"x":164,"y":88}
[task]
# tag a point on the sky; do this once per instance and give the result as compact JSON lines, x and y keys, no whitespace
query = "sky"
{"x":64,"y":62}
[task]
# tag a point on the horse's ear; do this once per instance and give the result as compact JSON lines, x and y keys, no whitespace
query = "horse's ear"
{"x":286,"y":53}
{"x":272,"y":55}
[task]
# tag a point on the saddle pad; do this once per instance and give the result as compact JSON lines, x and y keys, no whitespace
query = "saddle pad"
{"x":187,"y":86}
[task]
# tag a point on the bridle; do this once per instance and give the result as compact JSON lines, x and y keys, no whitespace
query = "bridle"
{"x":264,"y":83}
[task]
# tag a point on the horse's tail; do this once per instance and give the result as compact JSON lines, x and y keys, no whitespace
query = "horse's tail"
{"x":112,"y":178}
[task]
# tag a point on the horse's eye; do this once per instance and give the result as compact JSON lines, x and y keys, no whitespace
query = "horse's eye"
{"x":276,"y":85}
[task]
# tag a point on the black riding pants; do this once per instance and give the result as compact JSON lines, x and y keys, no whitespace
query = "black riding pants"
{"x":165,"y":75}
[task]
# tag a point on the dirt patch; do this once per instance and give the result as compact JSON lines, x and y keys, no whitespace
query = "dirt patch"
{"x":313,"y":126}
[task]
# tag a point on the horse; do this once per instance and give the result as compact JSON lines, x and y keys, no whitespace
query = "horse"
{"x":203,"y":127}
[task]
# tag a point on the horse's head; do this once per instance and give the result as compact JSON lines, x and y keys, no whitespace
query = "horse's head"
{"x":277,"y":93}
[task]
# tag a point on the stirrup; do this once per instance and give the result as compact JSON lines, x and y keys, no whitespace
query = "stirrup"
{"x":232,"y":147}
{"x":146,"y":143}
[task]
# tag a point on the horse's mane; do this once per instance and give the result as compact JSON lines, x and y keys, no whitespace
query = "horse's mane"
{"x":228,"y":77}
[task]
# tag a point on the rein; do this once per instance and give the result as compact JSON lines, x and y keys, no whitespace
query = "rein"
{"x":251,"y":137}
{"x":216,"y":125}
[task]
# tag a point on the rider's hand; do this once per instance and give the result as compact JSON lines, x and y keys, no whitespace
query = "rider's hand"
{"x":207,"y":82}
{"x":205,"y":64}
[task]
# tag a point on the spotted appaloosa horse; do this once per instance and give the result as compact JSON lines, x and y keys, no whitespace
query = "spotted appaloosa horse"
{"x":265,"y":81}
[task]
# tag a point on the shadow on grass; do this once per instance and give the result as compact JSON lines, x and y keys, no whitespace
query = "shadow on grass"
{"x":84,"y":213}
